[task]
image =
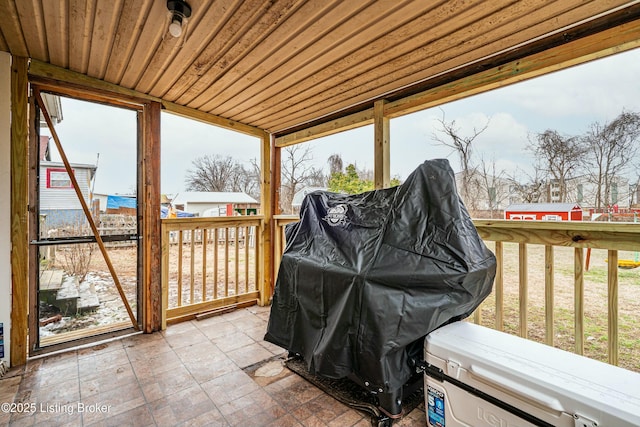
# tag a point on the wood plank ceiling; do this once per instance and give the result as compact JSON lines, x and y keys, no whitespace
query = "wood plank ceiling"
{"x":282,"y":64}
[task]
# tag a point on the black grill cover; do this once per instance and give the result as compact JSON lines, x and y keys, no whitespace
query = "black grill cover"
{"x":365,"y":276}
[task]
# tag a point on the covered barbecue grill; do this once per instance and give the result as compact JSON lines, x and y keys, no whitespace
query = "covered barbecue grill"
{"x":364,"y":278}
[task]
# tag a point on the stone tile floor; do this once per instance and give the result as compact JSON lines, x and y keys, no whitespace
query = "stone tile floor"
{"x":189,"y":375}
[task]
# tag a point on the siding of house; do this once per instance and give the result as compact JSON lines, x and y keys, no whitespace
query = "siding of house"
{"x":61,"y":205}
{"x":63,"y":198}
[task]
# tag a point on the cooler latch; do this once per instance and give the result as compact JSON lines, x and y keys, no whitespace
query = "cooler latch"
{"x":453,"y":369}
{"x":582,"y":421}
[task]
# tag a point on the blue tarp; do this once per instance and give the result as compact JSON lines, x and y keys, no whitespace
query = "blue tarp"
{"x":180,"y":214}
{"x":116,"y":202}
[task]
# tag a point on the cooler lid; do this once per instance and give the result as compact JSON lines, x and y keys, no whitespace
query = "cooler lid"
{"x":560,"y":380}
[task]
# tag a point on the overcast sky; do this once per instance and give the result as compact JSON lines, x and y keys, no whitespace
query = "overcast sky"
{"x":567,"y":101}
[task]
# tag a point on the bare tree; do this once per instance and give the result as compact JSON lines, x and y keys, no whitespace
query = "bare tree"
{"x":462,"y":146}
{"x":211,"y":173}
{"x":336,"y":165}
{"x":216,"y":173}
{"x":560,"y":157}
{"x":493,"y":184}
{"x":297,"y":172}
{"x":252,"y":182}
{"x":532,"y":189}
{"x":611,"y":148}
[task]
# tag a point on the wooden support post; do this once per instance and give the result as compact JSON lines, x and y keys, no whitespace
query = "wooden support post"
{"x":276,"y":179}
{"x":149,"y":188}
{"x":19,"y":203}
{"x":276,"y":186}
{"x":33,"y":223}
{"x":267,"y":199}
{"x":381,"y":163}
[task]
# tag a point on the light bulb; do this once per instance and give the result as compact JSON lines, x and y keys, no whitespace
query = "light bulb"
{"x":175,"y":28}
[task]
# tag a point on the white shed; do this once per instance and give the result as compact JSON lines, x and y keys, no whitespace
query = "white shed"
{"x":209,"y":203}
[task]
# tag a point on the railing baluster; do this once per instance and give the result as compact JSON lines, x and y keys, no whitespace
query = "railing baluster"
{"x":226,"y":261}
{"x":205,"y":238}
{"x":246,"y":259}
{"x":236,"y":249}
{"x":548,"y":295}
{"x":523,"y":294}
{"x":499,"y":286}
{"x":257,"y":255}
{"x":216,"y":267}
{"x":164,"y":277}
{"x":612,"y":305}
{"x":579,"y":298}
{"x":180,"y":268}
{"x":192,"y":266}
{"x":477,"y":315}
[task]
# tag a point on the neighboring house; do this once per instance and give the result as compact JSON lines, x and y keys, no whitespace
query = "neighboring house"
{"x":54,"y":108}
{"x":544,"y":212}
{"x":495,"y":194}
{"x":208,"y":203}
{"x":581,"y":190}
{"x":301,"y":194}
{"x":59,"y":204}
{"x":489,"y":193}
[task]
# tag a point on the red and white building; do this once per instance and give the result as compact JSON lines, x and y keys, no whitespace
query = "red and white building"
{"x":544,"y":212}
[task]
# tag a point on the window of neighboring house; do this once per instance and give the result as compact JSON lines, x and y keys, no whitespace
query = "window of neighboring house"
{"x":614,"y":192}
{"x":58,"y":178}
{"x":580,"y":197}
{"x":492,"y":195}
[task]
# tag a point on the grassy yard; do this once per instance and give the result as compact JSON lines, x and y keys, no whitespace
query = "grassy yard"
{"x":595,"y":305}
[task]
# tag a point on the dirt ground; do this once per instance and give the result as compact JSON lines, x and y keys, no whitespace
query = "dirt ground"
{"x":595,"y":294}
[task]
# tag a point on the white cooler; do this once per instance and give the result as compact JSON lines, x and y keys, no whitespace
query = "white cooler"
{"x":477,"y":376}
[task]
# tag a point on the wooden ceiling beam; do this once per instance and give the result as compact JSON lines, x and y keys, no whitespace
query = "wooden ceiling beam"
{"x":351,"y":121}
{"x":211,"y":119}
{"x":75,"y":84}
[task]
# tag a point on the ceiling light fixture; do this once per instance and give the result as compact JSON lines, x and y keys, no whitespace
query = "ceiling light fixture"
{"x":180,"y":11}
